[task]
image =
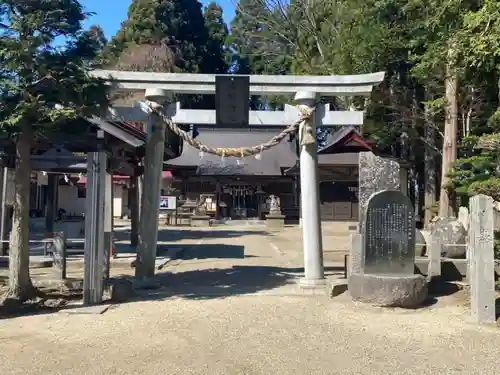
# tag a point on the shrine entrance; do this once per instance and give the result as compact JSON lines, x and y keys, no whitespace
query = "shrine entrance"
{"x":298,"y":123}
{"x":241,"y":201}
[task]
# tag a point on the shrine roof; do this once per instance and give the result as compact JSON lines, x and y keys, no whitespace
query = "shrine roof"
{"x":345,"y":140}
{"x":272,"y":161}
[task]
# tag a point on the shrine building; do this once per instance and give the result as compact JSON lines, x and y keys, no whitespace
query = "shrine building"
{"x":239,"y":189}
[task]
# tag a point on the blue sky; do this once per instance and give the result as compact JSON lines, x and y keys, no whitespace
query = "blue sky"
{"x":111,"y":13}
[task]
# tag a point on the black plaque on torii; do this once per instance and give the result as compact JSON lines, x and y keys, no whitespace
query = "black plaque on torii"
{"x":232,"y":101}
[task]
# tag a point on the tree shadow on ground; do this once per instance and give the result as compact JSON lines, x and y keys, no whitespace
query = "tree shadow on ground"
{"x":193,"y":285}
{"x":207,"y":251}
{"x":173,"y":235}
{"x":439,"y":288}
{"x":216,"y":283}
{"x":51,"y":300}
{"x":497,"y":308}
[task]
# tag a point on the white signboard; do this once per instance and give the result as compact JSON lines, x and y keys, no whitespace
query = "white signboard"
{"x":168,"y":203}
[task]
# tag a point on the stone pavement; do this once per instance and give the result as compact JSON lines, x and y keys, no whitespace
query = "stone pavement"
{"x":215,"y":318}
{"x":230,"y":260}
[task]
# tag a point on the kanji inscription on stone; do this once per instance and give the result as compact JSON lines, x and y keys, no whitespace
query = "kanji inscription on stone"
{"x":232,"y":101}
{"x":389,"y":234}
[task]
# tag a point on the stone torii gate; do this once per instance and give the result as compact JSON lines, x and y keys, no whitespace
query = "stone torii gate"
{"x":306,"y":91}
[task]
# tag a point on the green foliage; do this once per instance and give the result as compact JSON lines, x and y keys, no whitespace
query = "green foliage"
{"x":489,"y":142}
{"x":255,"y":50}
{"x":177,"y":25}
{"x":479,"y":36}
{"x":172,"y":36}
{"x":217,"y":57}
{"x":476,"y":171}
{"x":493,"y":122}
{"x":497,"y":248}
{"x":35,"y":75}
{"x":490,"y":186}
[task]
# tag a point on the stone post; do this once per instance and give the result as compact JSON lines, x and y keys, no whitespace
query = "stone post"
{"x":481,"y":261}
{"x":463,"y":217}
{"x":434,"y":256}
{"x":356,"y":255}
{"x":309,"y":202}
{"x":153,"y":166}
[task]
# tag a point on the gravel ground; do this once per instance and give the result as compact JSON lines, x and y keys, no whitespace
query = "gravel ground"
{"x":244,"y":333}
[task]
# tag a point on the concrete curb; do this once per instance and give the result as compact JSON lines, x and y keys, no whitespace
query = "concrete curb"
{"x":171,"y":255}
{"x":162,"y":261}
{"x":35,"y":262}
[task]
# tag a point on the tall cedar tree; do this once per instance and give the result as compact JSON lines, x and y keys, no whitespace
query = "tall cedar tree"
{"x":195,"y":42}
{"x":28,"y":61}
{"x":177,"y":24}
{"x":216,"y":59}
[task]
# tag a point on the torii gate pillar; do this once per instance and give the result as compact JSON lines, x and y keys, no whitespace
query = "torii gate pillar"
{"x":309,"y":202}
{"x":153,"y":166}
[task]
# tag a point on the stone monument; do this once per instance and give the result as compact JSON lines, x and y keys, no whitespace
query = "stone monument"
{"x":387,"y":274}
{"x":200,"y":217}
{"x":275,"y":219}
{"x":375,"y":174}
{"x":453,"y":236}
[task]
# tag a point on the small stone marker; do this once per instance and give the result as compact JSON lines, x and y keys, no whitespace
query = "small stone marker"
{"x":59,"y":253}
{"x":481,"y":262}
{"x":389,"y":234}
{"x":375,"y":174}
{"x":356,"y":254}
{"x":434,"y":256}
{"x":463,"y":217}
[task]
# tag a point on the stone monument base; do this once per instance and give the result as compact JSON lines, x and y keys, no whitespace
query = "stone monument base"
{"x":388,"y":290}
{"x":200,"y":221}
{"x":275,"y":221}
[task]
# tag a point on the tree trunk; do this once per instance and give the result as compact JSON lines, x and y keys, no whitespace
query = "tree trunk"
{"x":450,"y":140}
{"x":430,"y":174}
{"x":20,"y":286}
{"x":429,"y":168}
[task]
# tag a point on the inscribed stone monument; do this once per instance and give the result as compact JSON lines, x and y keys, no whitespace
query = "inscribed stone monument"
{"x":387,"y":275}
{"x":375,"y":174}
{"x":389,"y":234}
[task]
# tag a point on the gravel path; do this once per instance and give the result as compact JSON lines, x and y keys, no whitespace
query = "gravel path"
{"x":248,"y":334}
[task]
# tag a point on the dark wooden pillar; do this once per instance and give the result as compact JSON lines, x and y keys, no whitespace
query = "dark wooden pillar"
{"x":134,"y":199}
{"x":4,"y":211}
{"x":51,"y":206}
{"x":108,"y":224}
